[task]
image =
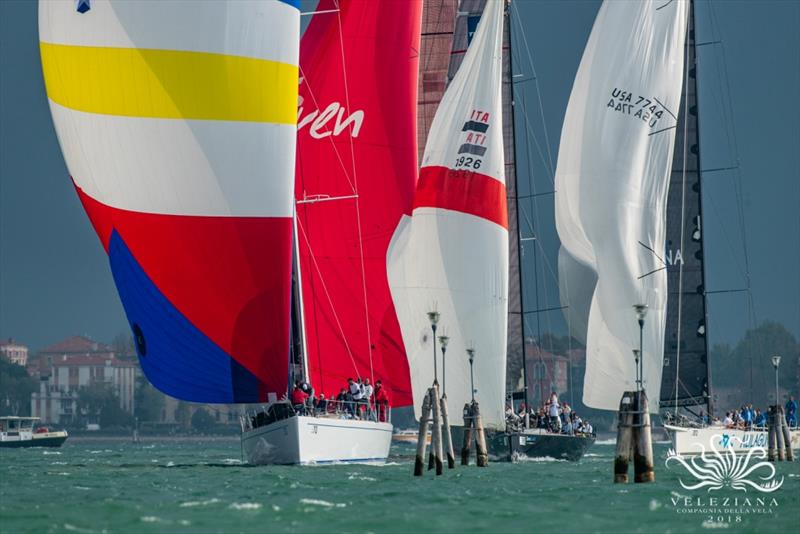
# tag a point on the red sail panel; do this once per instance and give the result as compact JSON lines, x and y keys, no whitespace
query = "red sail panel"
{"x":357,"y":157}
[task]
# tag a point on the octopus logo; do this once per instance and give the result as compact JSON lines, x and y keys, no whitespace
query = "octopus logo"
{"x":716,"y":469}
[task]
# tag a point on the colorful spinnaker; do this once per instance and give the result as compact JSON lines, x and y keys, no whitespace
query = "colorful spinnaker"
{"x":177,"y":121}
{"x":451,"y":253}
{"x":356,"y":174}
{"x":612,"y":180}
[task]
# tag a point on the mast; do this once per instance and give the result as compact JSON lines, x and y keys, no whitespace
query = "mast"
{"x":514,"y":198}
{"x":686,"y":377}
{"x":298,"y":299}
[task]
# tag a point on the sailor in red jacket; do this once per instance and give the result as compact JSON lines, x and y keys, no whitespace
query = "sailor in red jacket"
{"x":381,"y":401}
{"x":299,"y":398}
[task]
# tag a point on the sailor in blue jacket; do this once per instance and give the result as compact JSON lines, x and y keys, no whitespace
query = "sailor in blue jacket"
{"x":791,"y":412}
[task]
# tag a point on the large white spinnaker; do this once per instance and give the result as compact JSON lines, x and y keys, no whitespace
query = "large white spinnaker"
{"x":451,"y":254}
{"x":612,"y":179}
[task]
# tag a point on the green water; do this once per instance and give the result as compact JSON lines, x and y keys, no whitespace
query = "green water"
{"x":96,"y":487}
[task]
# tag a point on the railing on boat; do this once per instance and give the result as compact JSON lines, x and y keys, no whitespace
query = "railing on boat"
{"x":278,"y":411}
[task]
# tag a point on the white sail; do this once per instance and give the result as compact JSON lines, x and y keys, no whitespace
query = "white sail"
{"x":612,"y":180}
{"x":451,"y":254}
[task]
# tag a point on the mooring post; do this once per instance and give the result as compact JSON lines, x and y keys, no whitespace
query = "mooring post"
{"x":422,"y":438}
{"x":448,"y":438}
{"x":772,"y":433}
{"x":780,"y":444}
{"x":787,"y":437}
{"x":467,"y":440}
{"x":624,"y":438}
{"x":482,"y":453}
{"x":436,"y":439}
{"x":643,"y":453}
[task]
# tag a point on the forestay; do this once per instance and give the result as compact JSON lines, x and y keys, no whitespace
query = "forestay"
{"x":612,"y":180}
{"x":451,"y":254}
{"x":177,"y":121}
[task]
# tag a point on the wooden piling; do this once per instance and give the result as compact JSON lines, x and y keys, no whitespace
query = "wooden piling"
{"x":482,"y":453}
{"x":624,"y":451}
{"x":448,"y":438}
{"x":422,"y":438}
{"x":436,"y":441}
{"x":468,"y":429}
{"x":787,"y":438}
{"x":772,"y":433}
{"x":780,"y":444}
{"x":643,"y":441}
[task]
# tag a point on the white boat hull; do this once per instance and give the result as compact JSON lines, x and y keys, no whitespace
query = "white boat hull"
{"x":687,"y":441}
{"x":317,"y":440}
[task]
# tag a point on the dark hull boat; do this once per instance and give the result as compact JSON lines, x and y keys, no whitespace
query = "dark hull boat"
{"x":537,"y":443}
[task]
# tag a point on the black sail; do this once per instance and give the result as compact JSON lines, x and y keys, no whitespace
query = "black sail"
{"x":686,"y":379}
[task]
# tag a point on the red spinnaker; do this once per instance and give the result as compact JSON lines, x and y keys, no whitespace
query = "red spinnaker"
{"x":357,"y":148}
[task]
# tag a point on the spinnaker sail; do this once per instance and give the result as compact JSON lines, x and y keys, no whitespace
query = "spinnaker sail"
{"x":612,"y":180}
{"x":356,"y":174}
{"x":451,"y":254}
{"x":178,"y":125}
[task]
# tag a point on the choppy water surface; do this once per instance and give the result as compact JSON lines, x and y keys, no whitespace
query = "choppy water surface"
{"x":98,"y":486}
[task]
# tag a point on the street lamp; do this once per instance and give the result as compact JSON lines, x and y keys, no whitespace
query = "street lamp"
{"x":433,"y":317}
{"x":636,"y":356}
{"x":443,"y":340}
{"x":776,"y":361}
{"x":471,"y":354}
{"x":641,"y":312}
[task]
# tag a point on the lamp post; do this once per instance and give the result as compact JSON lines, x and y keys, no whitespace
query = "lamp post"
{"x":433,"y":317}
{"x":776,"y":361}
{"x":636,"y":355}
{"x":471,"y":354}
{"x":641,"y":312}
{"x":443,"y":341}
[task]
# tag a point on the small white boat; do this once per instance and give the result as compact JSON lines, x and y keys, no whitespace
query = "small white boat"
{"x":278,"y":434}
{"x":689,"y":441}
{"x":19,"y":432}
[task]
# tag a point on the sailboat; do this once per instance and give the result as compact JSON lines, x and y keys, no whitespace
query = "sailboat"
{"x":452,"y":255}
{"x":686,"y":380}
{"x":178,"y":124}
{"x":629,"y":187}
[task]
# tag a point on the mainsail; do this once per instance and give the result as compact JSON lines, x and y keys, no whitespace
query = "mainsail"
{"x":685,"y":381}
{"x":356,"y":174}
{"x":612,"y":180}
{"x":451,"y":254}
{"x":177,"y":123}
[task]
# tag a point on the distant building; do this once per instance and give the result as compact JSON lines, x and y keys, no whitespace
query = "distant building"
{"x":74,"y":363}
{"x":14,"y":352}
{"x":546,"y":372}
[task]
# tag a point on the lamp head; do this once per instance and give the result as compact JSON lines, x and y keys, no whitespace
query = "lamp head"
{"x":471,"y":354}
{"x":443,"y":341}
{"x":776,"y":361}
{"x":636,"y":354}
{"x":433,"y":317}
{"x":641,"y":311}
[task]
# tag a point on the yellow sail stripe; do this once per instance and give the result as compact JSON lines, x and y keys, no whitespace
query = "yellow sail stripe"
{"x":170,"y":84}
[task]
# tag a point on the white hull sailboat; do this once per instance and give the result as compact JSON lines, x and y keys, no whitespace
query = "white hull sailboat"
{"x":689,"y":441}
{"x":239,"y":260}
{"x":309,"y":440}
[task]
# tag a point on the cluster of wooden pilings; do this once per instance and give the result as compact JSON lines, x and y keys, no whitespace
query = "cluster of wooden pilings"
{"x":634,"y":439}
{"x":779,"y":439}
{"x":473,"y":426}
{"x":434,"y":412}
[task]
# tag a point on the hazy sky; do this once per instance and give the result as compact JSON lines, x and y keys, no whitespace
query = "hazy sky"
{"x":54,"y":275}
